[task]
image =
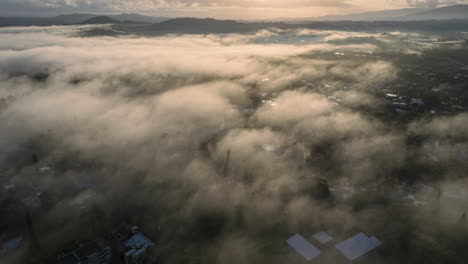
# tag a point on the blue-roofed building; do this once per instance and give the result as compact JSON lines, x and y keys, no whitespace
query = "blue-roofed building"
{"x":138,"y":239}
{"x":132,"y":244}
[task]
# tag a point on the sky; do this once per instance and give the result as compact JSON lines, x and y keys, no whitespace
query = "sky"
{"x":229,"y":9}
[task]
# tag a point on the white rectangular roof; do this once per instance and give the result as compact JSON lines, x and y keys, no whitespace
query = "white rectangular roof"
{"x":322,"y":237}
{"x":303,"y":247}
{"x":357,"y":246}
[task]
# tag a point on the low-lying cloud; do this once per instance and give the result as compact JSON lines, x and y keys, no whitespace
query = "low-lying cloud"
{"x":211,"y":143}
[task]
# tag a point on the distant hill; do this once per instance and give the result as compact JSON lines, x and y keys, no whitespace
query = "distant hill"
{"x":139,"y":18}
{"x":406,"y":14}
{"x":45,"y":21}
{"x":100,"y":20}
{"x":443,"y":13}
{"x":196,"y":25}
{"x":73,"y":19}
{"x":386,"y":15}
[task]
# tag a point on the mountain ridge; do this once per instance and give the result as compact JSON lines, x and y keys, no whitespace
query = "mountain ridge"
{"x":77,"y":18}
{"x":442,"y":13}
{"x":406,"y":14}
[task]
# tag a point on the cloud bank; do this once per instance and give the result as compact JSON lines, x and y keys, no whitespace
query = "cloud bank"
{"x":211,"y":143}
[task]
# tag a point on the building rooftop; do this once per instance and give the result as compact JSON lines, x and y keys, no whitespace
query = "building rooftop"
{"x":303,"y":247}
{"x":357,"y":246}
{"x":322,"y":237}
{"x":131,"y":237}
{"x":139,"y":240}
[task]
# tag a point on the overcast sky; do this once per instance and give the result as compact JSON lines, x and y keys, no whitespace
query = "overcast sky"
{"x":232,"y":9}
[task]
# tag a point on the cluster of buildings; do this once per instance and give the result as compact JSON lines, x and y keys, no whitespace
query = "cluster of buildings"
{"x":19,"y":201}
{"x":97,"y":251}
{"x":129,"y":246}
{"x":403,"y":104}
